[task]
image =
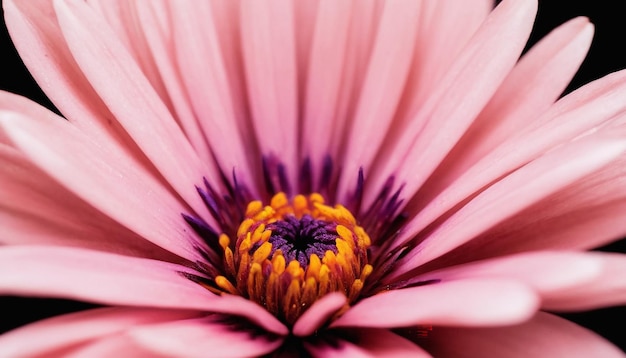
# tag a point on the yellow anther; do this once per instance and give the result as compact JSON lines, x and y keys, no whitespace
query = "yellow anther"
{"x":356,"y":288}
{"x":362,"y":237}
{"x":246,"y":243}
{"x":315,"y":264}
{"x":329,"y":259}
{"x":262,"y":253}
{"x":300,"y":205}
{"x":254,"y":207}
{"x":278,"y":262}
{"x":226,"y":285}
{"x":344,"y":249}
{"x":316,"y":198}
{"x":245,"y":227}
{"x":346,"y":234}
{"x":344,"y":214}
{"x":278,"y":201}
{"x":253,"y":277}
{"x":294,"y":269}
{"x":366,"y":271}
{"x":224,"y":241}
{"x":257,"y":235}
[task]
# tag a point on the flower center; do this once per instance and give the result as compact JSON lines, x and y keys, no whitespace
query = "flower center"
{"x":288,"y":254}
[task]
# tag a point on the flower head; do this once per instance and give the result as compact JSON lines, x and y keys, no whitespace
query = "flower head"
{"x":248,"y":178}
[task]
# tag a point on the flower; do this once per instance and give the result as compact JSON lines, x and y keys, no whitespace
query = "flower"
{"x":264,"y":178}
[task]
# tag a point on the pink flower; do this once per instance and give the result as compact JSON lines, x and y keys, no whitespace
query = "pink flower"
{"x":245,"y":178}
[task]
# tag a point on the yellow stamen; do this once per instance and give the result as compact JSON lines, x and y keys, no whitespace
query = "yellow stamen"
{"x":260,"y":270}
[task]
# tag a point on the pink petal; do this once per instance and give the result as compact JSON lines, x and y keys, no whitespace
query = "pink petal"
{"x":368,"y":343}
{"x":545,"y":272}
{"x":327,"y":64}
{"x":202,"y":337}
{"x":268,"y":44}
{"x":44,"y":337}
{"x":472,"y":302}
{"x":609,"y":289}
{"x":37,"y":210}
{"x":582,"y":216}
{"x":512,"y":194}
{"x":384,"y":82}
{"x":314,"y":317}
{"x":116,"y":280}
{"x":548,"y":66}
{"x":111,"y":346}
{"x":196,"y":47}
{"x":543,"y":336}
{"x":445,"y":27}
{"x":574,"y":115}
{"x":131,"y":99}
{"x":364,"y":22}
{"x":42,"y":48}
{"x":123,"y":192}
{"x":153,"y":21}
{"x":458,"y":99}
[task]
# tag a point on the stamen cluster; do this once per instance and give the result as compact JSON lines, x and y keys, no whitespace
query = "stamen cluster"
{"x":288,"y":254}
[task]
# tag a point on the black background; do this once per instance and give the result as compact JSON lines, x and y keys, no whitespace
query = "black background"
{"x":607,"y":54}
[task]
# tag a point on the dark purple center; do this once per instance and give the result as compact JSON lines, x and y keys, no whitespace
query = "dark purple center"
{"x":298,"y":239}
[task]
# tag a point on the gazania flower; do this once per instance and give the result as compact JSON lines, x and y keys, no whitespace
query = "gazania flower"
{"x":247,"y":178}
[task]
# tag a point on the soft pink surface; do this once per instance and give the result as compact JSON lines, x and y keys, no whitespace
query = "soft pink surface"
{"x":549,"y":66}
{"x":46,"y":336}
{"x":131,"y":98}
{"x":115,"y":188}
{"x":268,"y":44}
{"x":458,"y":97}
{"x":555,"y":170}
{"x":116,"y":280}
{"x":201,"y":337}
{"x":578,"y":113}
{"x":314,"y":317}
{"x":470,"y":302}
{"x":368,"y":343}
{"x":544,"y":335}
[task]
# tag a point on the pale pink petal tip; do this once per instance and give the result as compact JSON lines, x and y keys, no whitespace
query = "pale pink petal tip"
{"x":544,"y":335}
{"x":317,"y":315}
{"x":472,"y":302}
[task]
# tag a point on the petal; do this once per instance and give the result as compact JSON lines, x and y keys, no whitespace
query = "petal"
{"x":44,"y":337}
{"x":37,"y":210}
{"x":512,"y":194}
{"x":545,"y":272}
{"x":115,"y":280}
{"x":458,"y":99}
{"x":384,"y":81}
{"x":268,"y":45}
{"x":199,"y":337}
{"x":110,"y":346}
{"x":445,"y":27}
{"x":535,"y":82}
{"x":203,"y":74}
{"x":609,"y":289}
{"x":367,"y":343}
{"x":314,"y":317}
{"x":131,"y":99}
{"x":582,"y":216}
{"x":543,"y":336}
{"x":327,"y":64}
{"x":42,"y":48}
{"x":472,"y":302}
{"x":154,"y":24}
{"x":121,"y":192}
{"x":574,"y":115}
